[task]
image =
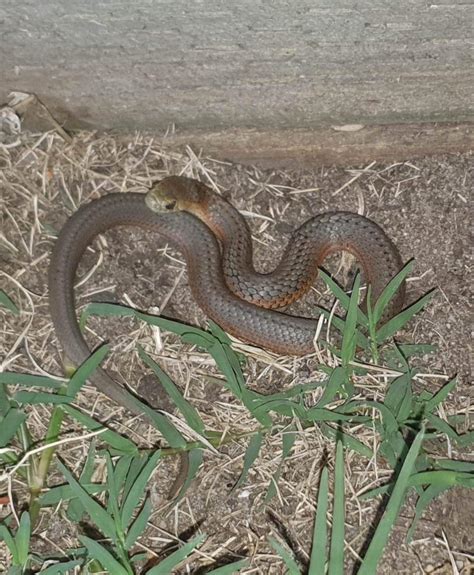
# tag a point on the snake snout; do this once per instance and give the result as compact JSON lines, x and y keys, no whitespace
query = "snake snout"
{"x":158,"y":203}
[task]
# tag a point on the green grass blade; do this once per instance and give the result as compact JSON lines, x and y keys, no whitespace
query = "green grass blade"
{"x":8,"y":303}
{"x":139,"y":524}
{"x":396,"y":359}
{"x":281,"y":401}
{"x":138,"y":489}
{"x":236,"y":365}
{"x":10,"y":424}
{"x":380,"y":490}
{"x":203,"y":341}
{"x":430,"y":493}
{"x":382,"y":532}
{"x":41,"y":398}
{"x":318,"y":550}
{"x":342,"y":297}
{"x":441,"y":395}
{"x":319,"y":414}
{"x":453,"y":465}
{"x":66,"y":493}
{"x":251,"y":455}
{"x":445,"y":478}
{"x":284,"y":407}
{"x":235,"y":380}
{"x":137,"y":557}
{"x":340,"y":325}
{"x":372,"y":325}
{"x":219,"y":333}
{"x":349,"y":336}
{"x":397,"y":322}
{"x":119,"y":310}
{"x":165,"y":427}
{"x":188,"y":411}
{"x":89,"y":464}
{"x":131,"y":473}
{"x":466,"y":481}
{"x":466,"y":439}
{"x":346,"y":439}
{"x":389,"y":421}
{"x":86,"y":369}
{"x":113,"y":497}
{"x":230,"y":568}
{"x":122,"y":467}
{"x":336,"y":553}
{"x":176,"y":327}
{"x":60,"y":568}
{"x":5,"y":401}
{"x":103,"y":556}
{"x":337,"y":379}
{"x":393,"y":447}
{"x":22,"y":538}
{"x":442,"y":426}
{"x":286,"y":556}
{"x":112,"y":438}
{"x":390,"y":290}
{"x":10,"y":542}
{"x":228,"y":363}
{"x":166,"y":566}
{"x":399,"y":397}
{"x":29,"y":380}
{"x":95,"y":511}
{"x":169,"y":432}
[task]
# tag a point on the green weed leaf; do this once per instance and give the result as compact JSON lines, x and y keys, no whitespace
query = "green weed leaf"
{"x":139,"y":524}
{"x":139,"y":488}
{"x":8,"y":303}
{"x":396,"y":323}
{"x":286,"y":556}
{"x":104,"y":557}
{"x":251,"y":455}
{"x":336,"y":553}
{"x":95,"y":511}
{"x":166,"y":566}
{"x":382,"y":532}
{"x":390,"y":290}
{"x":318,"y":551}
{"x":189,"y":412}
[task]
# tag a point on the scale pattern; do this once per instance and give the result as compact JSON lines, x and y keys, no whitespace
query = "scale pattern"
{"x":226,"y":287}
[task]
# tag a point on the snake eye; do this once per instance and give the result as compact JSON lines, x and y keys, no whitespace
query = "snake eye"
{"x":171,"y":205}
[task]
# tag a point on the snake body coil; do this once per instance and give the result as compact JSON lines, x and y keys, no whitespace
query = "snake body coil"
{"x":213,"y":275}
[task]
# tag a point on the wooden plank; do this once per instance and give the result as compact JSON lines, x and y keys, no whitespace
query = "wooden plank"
{"x":246,"y":64}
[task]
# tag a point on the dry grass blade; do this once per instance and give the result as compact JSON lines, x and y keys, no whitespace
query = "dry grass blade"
{"x":43,"y":180}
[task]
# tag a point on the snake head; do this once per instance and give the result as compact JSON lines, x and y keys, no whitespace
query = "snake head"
{"x":176,"y":193}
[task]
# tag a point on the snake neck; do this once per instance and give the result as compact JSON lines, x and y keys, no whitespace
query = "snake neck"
{"x":287,"y":282}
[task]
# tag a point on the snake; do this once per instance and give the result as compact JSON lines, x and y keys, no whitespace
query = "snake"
{"x":216,"y":243}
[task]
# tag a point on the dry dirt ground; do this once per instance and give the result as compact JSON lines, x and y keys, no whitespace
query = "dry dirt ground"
{"x":423,"y":205}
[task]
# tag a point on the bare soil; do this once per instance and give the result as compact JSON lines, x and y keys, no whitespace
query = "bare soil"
{"x":423,"y":205}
